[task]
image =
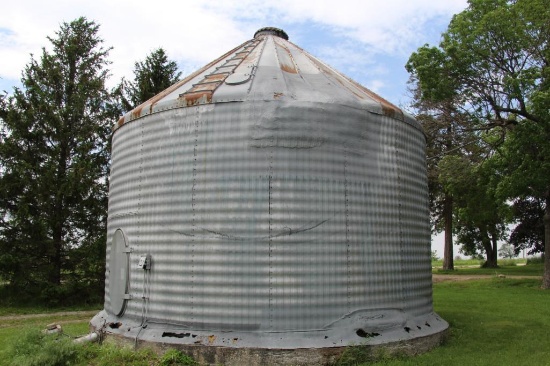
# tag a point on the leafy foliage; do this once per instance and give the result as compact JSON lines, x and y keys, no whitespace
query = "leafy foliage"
{"x":495,"y":57}
{"x":507,"y":251}
{"x":443,"y":127}
{"x":529,"y":231}
{"x":151,"y":76}
{"x":481,"y":215}
{"x":54,"y":158}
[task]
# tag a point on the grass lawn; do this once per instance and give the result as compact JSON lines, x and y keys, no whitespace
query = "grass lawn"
{"x":23,"y":344}
{"x":494,"y":321}
{"x":11,"y":328}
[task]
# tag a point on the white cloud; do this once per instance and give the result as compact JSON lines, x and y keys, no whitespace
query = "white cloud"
{"x":186,"y":31}
{"x":376,"y":85}
{"x":386,"y":25}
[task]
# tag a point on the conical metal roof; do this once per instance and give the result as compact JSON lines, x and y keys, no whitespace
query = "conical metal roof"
{"x":267,"y":67}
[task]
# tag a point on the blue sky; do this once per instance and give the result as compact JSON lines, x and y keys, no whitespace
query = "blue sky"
{"x":367,"y":40}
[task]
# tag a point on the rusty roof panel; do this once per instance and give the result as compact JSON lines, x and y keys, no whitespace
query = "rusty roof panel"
{"x":233,"y":62}
{"x":225,"y":69}
{"x":203,"y":87}
{"x":217,"y":77}
{"x":241,"y":55}
{"x":147,"y":107}
{"x":286,"y":61}
{"x":196,"y":98}
{"x":301,"y":76}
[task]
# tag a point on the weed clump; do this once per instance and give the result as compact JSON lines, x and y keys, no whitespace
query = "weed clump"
{"x":507,"y":262}
{"x":535,"y":260}
{"x":173,"y":357}
{"x":35,"y":348}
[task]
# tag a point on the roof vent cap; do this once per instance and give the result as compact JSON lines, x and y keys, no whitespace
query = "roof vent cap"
{"x":271,"y":31}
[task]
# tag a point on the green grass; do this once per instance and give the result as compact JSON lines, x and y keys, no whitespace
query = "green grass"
{"x":33,"y":348}
{"x":12,"y":329}
{"x":30,"y":347}
{"x":23,"y":344}
{"x":493,"y":322}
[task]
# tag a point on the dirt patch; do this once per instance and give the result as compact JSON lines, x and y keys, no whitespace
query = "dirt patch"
{"x":436,"y":278}
{"x":58,"y":314}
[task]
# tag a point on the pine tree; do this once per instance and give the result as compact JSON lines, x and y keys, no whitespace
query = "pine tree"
{"x":151,"y":76}
{"x":54,"y":164}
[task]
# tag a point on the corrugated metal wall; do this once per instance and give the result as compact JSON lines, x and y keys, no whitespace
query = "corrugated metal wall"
{"x":279,"y":224}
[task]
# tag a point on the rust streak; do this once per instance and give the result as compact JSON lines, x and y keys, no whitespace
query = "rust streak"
{"x":389,"y":109}
{"x":201,"y":93}
{"x":252,"y":58}
{"x":241,"y":55}
{"x":215,"y":77}
{"x":203,"y":87}
{"x":192,"y":76}
{"x":286,"y":60}
{"x":197,"y":98}
{"x":136,"y":112}
{"x":288,"y":69}
{"x":119,"y":123}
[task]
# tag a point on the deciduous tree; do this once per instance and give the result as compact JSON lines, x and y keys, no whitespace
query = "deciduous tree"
{"x":439,"y":112}
{"x":497,"y":55}
{"x":507,"y":251}
{"x":481,"y":215}
{"x":528,"y":234}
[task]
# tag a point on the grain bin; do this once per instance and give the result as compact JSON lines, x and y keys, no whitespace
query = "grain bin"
{"x":267,"y":203}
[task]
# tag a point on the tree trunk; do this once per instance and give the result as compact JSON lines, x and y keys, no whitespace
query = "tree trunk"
{"x":60,"y":217}
{"x":55,"y":269}
{"x":546,"y":275}
{"x":448,"y":260}
{"x":490,"y":246}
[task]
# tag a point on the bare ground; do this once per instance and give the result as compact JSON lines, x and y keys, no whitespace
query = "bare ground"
{"x":62,"y":314}
{"x":436,"y":278}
